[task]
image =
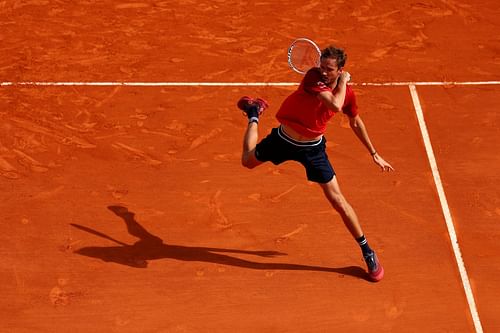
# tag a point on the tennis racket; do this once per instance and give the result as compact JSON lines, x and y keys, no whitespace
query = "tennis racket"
{"x":303,"y":54}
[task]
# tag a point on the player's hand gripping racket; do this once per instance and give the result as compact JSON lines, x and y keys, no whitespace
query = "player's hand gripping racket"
{"x":303,"y":54}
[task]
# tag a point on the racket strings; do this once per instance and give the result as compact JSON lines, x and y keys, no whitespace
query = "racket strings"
{"x":303,"y":56}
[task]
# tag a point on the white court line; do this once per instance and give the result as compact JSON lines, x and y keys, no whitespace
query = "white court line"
{"x":446,"y":209}
{"x":238,"y":84}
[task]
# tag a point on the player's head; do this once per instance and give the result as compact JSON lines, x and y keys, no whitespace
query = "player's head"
{"x":332,"y":61}
{"x":332,"y":52}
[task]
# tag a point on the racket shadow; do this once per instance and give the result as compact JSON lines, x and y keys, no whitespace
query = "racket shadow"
{"x":150,"y":247}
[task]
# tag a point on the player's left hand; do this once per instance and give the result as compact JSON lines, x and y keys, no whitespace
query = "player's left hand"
{"x":382,"y":163}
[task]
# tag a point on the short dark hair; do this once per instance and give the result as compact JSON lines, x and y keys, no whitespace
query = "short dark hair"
{"x":335,"y":53}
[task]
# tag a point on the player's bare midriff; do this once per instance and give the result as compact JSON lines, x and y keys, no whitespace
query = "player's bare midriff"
{"x":296,"y":136}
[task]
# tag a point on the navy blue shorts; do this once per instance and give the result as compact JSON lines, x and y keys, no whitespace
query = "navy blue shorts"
{"x":278,"y":147}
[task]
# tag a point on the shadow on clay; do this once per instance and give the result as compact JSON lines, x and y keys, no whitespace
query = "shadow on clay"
{"x":151,"y":247}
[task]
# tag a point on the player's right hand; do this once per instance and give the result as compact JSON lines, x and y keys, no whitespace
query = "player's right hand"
{"x":345,"y":76}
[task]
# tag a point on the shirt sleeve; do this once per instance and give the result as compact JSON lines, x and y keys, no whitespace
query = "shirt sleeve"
{"x":350,"y":107}
{"x":313,"y":82}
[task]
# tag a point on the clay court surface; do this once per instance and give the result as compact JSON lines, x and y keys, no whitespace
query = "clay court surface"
{"x":126,"y":209}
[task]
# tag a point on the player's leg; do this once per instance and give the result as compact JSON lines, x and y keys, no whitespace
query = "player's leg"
{"x":320,"y":170}
{"x":250,"y":139}
{"x":340,"y":204}
{"x":252,"y":108}
{"x":332,"y":192}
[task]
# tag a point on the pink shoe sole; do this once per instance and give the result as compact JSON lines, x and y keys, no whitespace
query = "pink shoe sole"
{"x":378,"y":275}
{"x":243,"y":102}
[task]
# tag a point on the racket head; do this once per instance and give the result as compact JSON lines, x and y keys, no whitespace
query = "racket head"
{"x":303,"y":54}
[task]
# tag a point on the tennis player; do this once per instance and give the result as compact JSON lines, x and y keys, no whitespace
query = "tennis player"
{"x":303,"y":117}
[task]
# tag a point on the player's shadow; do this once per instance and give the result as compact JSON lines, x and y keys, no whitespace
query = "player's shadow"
{"x":151,"y":247}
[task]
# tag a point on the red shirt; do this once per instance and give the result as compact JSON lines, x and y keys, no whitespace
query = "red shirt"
{"x":304,"y":112}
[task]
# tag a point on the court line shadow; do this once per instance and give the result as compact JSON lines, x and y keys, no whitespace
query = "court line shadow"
{"x":151,"y":247}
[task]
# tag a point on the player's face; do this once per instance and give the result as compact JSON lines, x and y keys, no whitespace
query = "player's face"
{"x":330,"y":70}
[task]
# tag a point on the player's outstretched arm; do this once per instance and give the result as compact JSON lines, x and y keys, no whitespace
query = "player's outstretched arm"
{"x":359,"y":129}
